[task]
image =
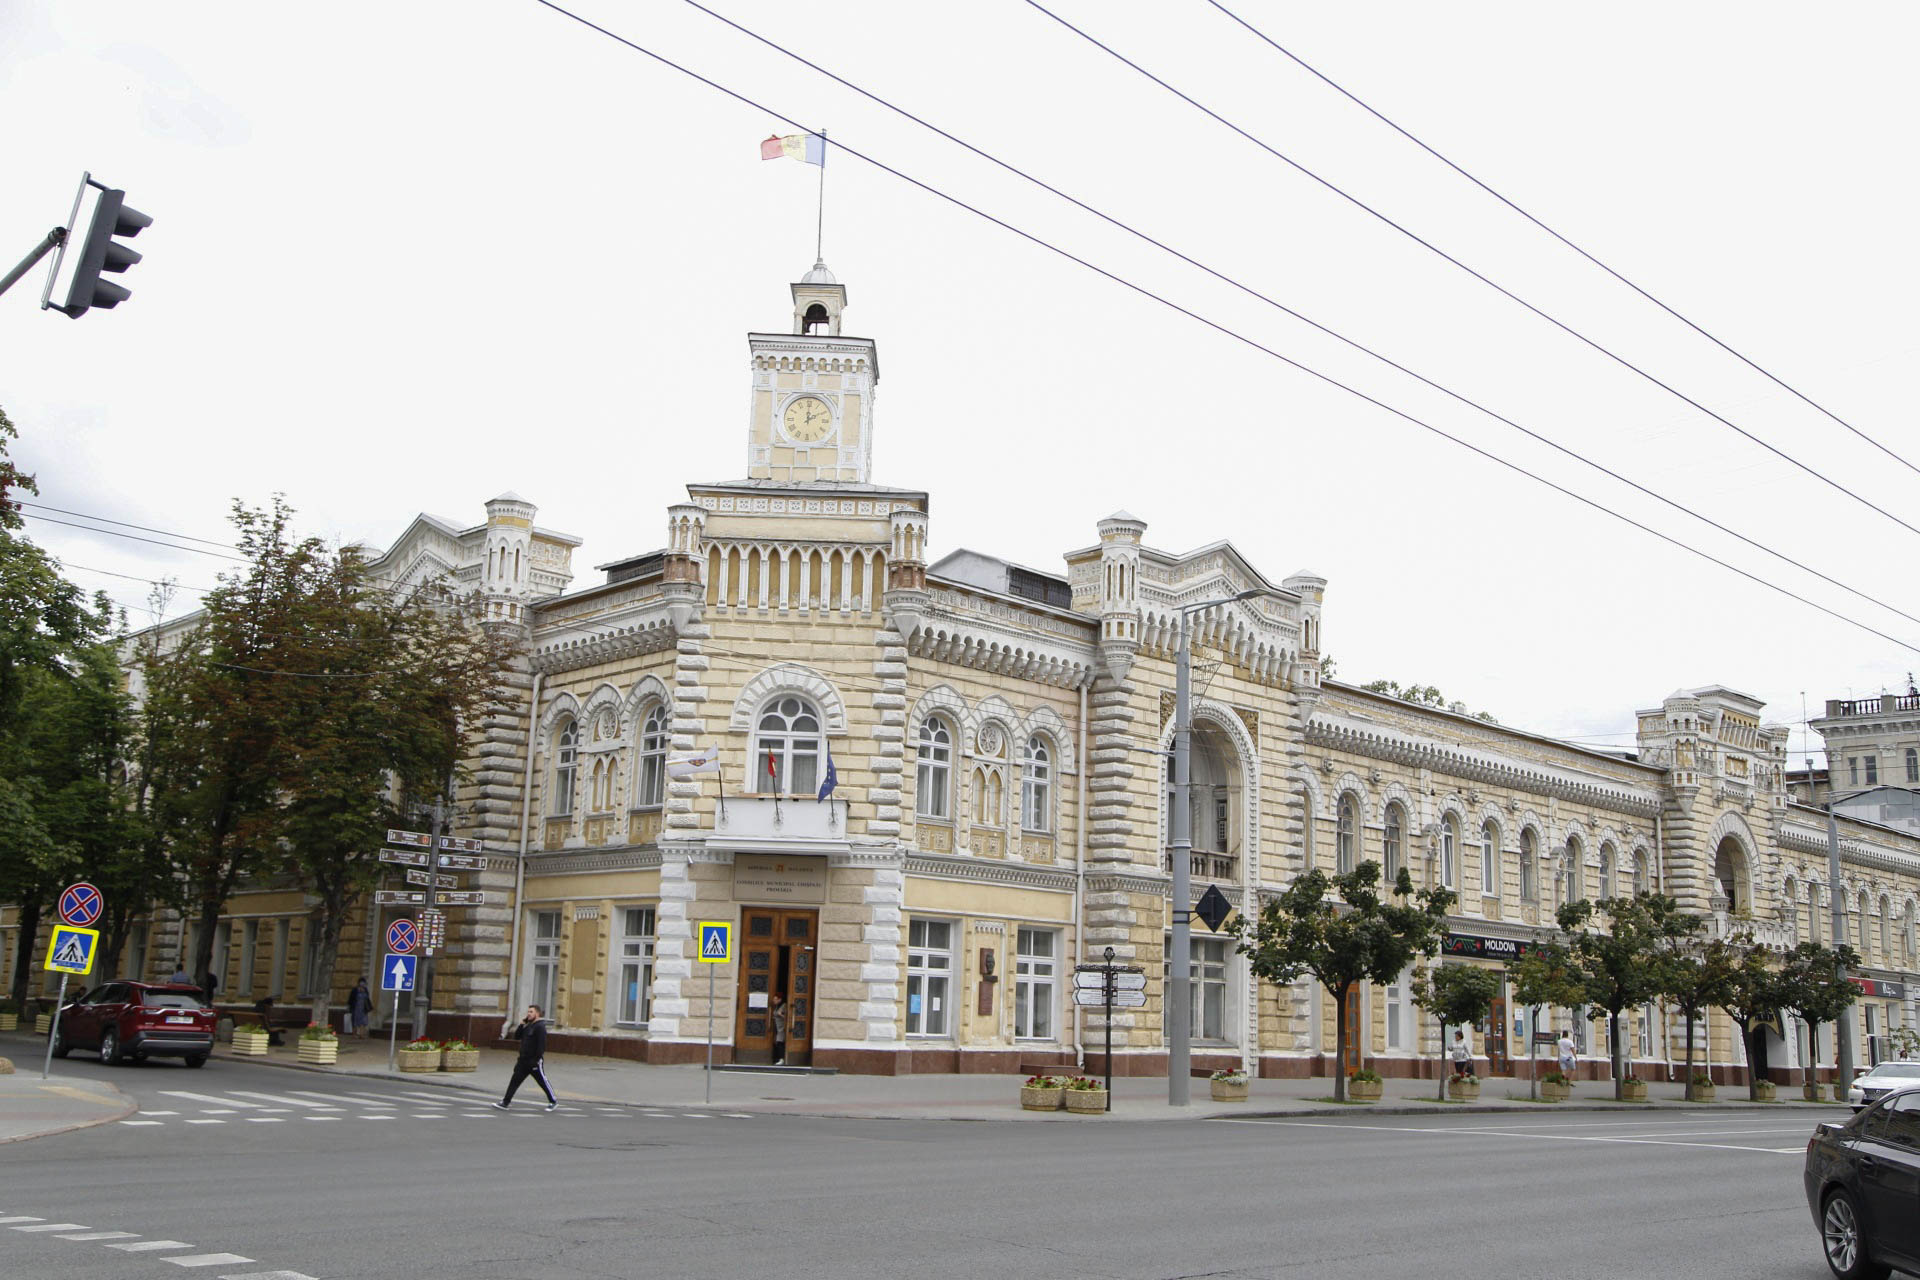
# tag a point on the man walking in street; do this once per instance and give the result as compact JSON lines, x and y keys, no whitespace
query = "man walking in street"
{"x":532,"y":1035}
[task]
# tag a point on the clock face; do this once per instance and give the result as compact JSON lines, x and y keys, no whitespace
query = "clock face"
{"x":808,"y":419}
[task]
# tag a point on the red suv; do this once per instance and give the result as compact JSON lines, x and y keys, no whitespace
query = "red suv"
{"x":138,"y":1020}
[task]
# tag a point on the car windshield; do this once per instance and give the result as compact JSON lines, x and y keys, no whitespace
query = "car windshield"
{"x":171,"y":1000}
{"x":1899,"y":1069}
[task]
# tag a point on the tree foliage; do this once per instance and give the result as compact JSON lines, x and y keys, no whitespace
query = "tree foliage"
{"x":1421,"y":695}
{"x":1814,"y":985}
{"x":1455,"y":994}
{"x":1619,"y":948}
{"x":1357,"y":936}
{"x":1699,"y":975}
{"x":1754,"y":994}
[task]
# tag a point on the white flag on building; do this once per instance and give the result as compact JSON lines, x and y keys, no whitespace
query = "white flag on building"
{"x":685,"y":764}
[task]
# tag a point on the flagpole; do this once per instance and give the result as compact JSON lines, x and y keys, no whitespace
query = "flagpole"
{"x":820,"y":226}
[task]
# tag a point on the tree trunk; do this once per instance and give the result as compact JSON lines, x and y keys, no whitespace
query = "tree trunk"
{"x":1443,"y":1058}
{"x":332,"y":920}
{"x":1613,"y":1055}
{"x":201,"y":974}
{"x":1753,"y":1035}
{"x":1340,"y":1045}
{"x":1689,"y":1017}
{"x":23,"y":952}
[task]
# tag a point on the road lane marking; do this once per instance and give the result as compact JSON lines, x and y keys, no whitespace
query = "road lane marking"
{"x":224,"y":1111}
{"x":147,"y":1246}
{"x":269,"y":1275}
{"x":5,"y":1221}
{"x":209,"y":1260}
{"x":145,"y":1112}
{"x":373,"y":1099}
{"x":267,"y":1119}
{"x":438,"y":1100}
{"x":155,"y":1123}
{"x":320,"y":1117}
{"x":1538,"y":1137}
{"x":206,"y":1122}
{"x":218,"y":1102}
{"x":54,"y":1226}
{"x":290,"y":1102}
{"x":97,"y":1235}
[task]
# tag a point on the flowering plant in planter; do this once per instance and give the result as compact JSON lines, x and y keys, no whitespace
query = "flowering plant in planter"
{"x":1081,"y":1084}
{"x":1044,"y":1082}
{"x":456,"y":1045}
{"x":319,"y":1031}
{"x":1701,"y":1078}
{"x":1365,"y":1075}
{"x":1554,"y":1077}
{"x":425,"y":1044}
{"x":1232,"y":1075}
{"x":1631,"y":1078}
{"x":1468,"y":1078}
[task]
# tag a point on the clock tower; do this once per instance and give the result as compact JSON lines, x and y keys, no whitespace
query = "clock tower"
{"x":811,"y":417}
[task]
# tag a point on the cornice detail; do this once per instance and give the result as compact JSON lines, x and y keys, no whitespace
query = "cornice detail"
{"x":940,"y":866}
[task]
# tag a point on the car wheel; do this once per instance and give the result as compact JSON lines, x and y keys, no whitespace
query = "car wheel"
{"x":110,"y":1047}
{"x":1845,"y":1240}
{"x":196,"y":1059}
{"x":60,"y":1045}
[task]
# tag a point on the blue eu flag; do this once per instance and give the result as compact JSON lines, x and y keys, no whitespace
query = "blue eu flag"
{"x":833,"y":778}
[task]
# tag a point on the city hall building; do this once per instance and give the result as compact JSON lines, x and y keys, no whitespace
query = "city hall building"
{"x":944,"y":781}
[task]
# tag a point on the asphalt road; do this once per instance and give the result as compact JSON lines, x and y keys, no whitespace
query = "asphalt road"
{"x":238,"y":1170}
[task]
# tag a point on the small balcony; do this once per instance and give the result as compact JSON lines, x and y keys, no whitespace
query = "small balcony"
{"x":1204,"y":864}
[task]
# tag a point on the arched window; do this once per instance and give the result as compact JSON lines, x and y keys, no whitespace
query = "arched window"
{"x":1529,"y":866}
{"x":1036,"y":787}
{"x":1813,"y":913}
{"x":1910,"y":937}
{"x":1490,"y":859}
{"x":1606,"y":871}
{"x":601,"y":790}
{"x":787,"y":748}
{"x":649,"y":790}
{"x":566,"y":765}
{"x":1639,"y":872}
{"x":1347,"y":837}
{"x":1392,"y":841}
{"x":1306,"y":829}
{"x":1886,"y":931}
{"x":1913,"y":765}
{"x":1572,"y":872}
{"x":933,"y":776}
{"x":1449,"y":848}
{"x":1790,"y":909}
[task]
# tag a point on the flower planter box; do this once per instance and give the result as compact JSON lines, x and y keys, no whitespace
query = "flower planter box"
{"x":1764,"y":1091}
{"x":1555,"y":1092}
{"x":1463,"y":1091}
{"x":1229,"y":1090}
{"x":1702,"y":1093}
{"x":9,"y":1021}
{"x":1813,"y":1092}
{"x":250,"y":1044}
{"x":1633,"y":1091}
{"x":1085,"y":1102}
{"x":319,"y":1053}
{"x":1363,"y":1090}
{"x":1036,"y":1099}
{"x":459,"y":1059}
{"x":415,"y":1060}
{"x":42,"y":1024}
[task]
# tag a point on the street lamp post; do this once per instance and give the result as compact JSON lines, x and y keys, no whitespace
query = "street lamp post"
{"x":1179,"y":997}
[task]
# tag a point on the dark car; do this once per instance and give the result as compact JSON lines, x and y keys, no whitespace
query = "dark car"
{"x":1863,"y":1185}
{"x":138,"y":1020}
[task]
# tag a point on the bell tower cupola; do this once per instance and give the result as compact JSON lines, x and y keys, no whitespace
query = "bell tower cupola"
{"x":811,"y":416}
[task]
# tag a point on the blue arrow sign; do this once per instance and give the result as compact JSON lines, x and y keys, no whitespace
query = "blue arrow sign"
{"x":397,"y":973}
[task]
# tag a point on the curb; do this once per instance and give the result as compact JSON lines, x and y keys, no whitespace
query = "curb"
{"x":128,"y":1109}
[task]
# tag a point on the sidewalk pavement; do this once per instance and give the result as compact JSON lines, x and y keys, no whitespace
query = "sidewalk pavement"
{"x":617,"y":1081}
{"x":34,"y":1108}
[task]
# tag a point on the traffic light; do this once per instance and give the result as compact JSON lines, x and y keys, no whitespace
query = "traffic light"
{"x":100,"y":251}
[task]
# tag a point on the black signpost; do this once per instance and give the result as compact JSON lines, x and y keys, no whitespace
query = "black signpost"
{"x":1114,"y":986}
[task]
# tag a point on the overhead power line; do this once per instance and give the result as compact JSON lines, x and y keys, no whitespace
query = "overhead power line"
{"x":81,"y":515}
{"x":1497,"y":287}
{"x":1370,"y":110}
{"x":1300,"y":316}
{"x":1224,"y":330}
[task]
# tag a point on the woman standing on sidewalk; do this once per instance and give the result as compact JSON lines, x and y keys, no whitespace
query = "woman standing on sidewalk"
{"x":359,"y":1005}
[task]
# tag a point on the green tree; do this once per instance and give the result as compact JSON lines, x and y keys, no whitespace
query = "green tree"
{"x":1420,"y":695}
{"x":1545,"y":976}
{"x":1698,"y":975}
{"x":1753,"y":996}
{"x":1453,"y":994}
{"x":1814,"y":986}
{"x":1358,"y":937}
{"x":1619,"y":967}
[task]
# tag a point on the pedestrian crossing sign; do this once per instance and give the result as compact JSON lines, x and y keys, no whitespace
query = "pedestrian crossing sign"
{"x":72,"y":949}
{"x":716,"y":942}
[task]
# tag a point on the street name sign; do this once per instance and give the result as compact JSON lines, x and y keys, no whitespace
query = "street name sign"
{"x":462,"y":862}
{"x":1121,"y":999}
{"x":403,"y":936}
{"x":72,"y":950}
{"x":405,"y":857}
{"x":399,"y":897}
{"x":716,"y":942}
{"x":462,"y":898}
{"x":1130,"y":981}
{"x":396,"y":974}
{"x":81,"y":904}
{"x":424,"y":840}
{"x":445,"y":881}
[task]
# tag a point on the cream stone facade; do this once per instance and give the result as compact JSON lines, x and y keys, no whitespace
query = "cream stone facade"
{"x":997,"y":739}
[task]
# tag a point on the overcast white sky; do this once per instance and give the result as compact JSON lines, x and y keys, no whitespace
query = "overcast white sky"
{"x":406,"y":256}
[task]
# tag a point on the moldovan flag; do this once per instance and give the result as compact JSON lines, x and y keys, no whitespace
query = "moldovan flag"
{"x":685,"y":764}
{"x":809,"y":148}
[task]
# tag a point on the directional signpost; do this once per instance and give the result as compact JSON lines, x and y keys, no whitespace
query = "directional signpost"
{"x":1114,"y":986}
{"x":71,"y":949}
{"x":428,"y":857}
{"x":716,"y":949}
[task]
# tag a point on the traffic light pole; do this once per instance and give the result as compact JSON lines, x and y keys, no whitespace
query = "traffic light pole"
{"x":55,"y":238}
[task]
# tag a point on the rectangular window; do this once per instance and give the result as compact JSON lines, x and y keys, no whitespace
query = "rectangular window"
{"x":929,"y":971}
{"x":282,"y":940}
{"x":1035,"y":967}
{"x":1873,"y":770}
{"x":545,"y":954}
{"x":1490,"y":864}
{"x":633,"y":980}
{"x":249,"y":948}
{"x":1395,"y":997}
{"x":312,"y":981}
{"x":1207,"y":978}
{"x":136,"y":961}
{"x":1853,"y":770}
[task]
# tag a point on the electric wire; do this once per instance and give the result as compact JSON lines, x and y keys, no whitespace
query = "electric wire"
{"x":1410,"y":137}
{"x":167,"y":533}
{"x":1226,"y":331}
{"x":1490,"y":283}
{"x":1303,"y":318}
{"x":137,"y":538}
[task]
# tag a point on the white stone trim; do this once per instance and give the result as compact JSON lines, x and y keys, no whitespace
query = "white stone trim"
{"x":790,"y":677}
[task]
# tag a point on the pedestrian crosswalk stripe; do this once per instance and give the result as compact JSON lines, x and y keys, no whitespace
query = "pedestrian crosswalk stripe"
{"x":267,"y":1119}
{"x":211,"y":1101}
{"x":148,"y":1246}
{"x":53,"y":1226}
{"x":374,"y":1099}
{"x":152,"y":1122}
{"x":97,"y":1235}
{"x":6,"y":1221}
{"x":209,"y":1260}
{"x":291,"y":1102}
{"x":269,"y":1275}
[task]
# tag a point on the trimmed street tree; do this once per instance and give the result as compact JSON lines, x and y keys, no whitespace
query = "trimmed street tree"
{"x":1453,"y":994}
{"x":1752,"y":996}
{"x":1545,"y":976}
{"x":1358,"y":938}
{"x":1698,"y":975}
{"x":1618,"y":968}
{"x":1814,"y":987}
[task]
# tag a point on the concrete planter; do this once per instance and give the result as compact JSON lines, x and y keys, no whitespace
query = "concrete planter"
{"x":1764,"y":1091}
{"x":319,"y":1053}
{"x":1229,"y":1090}
{"x":459,"y":1059}
{"x":1363,"y":1090}
{"x":1555,"y":1092}
{"x":42,"y":1024}
{"x":1813,"y":1092}
{"x":1085,"y":1102}
{"x":1702,"y":1093}
{"x":250,"y":1044}
{"x":9,"y":1021}
{"x":1633,"y":1091}
{"x":1463,"y":1090}
{"x":419,"y":1059}
{"x":1037,"y":1099}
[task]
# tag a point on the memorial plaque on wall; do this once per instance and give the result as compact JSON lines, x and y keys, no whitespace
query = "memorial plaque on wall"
{"x":773,"y":878}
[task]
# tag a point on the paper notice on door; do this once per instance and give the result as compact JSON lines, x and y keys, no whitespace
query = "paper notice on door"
{"x":756,"y":999}
{"x":936,"y":1004}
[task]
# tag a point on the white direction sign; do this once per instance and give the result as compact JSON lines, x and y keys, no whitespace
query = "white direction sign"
{"x":1121,"y":999}
{"x":405,"y":857}
{"x":424,"y":840}
{"x":461,"y":862}
{"x":399,"y":897}
{"x":1130,"y":981}
{"x":462,"y":898}
{"x":1084,"y":981}
{"x":445,"y":881}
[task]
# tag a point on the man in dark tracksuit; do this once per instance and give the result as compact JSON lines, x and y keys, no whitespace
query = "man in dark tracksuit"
{"x":532,"y":1035}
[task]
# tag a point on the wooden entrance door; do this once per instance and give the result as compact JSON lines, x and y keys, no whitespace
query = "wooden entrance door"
{"x":777,"y":959}
{"x":1498,"y":1061}
{"x":1357,"y":1033}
